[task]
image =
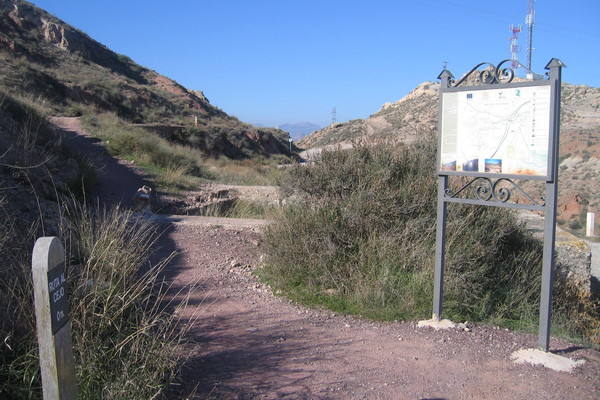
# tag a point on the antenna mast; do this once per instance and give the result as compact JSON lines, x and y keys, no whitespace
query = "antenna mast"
{"x":514,"y":46}
{"x":529,"y":22}
{"x":333,"y":116}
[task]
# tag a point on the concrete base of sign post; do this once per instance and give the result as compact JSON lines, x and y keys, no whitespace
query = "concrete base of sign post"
{"x":545,"y":359}
{"x":436,"y":324}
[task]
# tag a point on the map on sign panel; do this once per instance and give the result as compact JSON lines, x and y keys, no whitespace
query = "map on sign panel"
{"x":503,"y":131}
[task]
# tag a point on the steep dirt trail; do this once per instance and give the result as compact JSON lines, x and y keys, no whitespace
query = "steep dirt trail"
{"x":117,"y":180}
{"x":250,"y":344}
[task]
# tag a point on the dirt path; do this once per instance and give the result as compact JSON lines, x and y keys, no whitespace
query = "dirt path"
{"x":250,"y":344}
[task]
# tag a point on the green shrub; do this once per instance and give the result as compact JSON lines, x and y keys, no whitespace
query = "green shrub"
{"x":575,"y":224}
{"x":362,"y":241}
{"x":250,"y":209}
{"x":258,"y":171}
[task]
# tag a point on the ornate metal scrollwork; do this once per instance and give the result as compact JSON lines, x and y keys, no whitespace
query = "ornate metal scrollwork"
{"x":492,"y":190}
{"x":494,"y":74}
{"x":491,"y":74}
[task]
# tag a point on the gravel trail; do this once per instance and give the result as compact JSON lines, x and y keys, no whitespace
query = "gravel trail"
{"x":251,"y":344}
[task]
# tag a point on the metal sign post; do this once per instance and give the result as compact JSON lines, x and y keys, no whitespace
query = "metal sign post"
{"x":491,"y":133}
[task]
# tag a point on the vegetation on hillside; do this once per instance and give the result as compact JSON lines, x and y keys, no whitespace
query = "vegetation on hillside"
{"x":415,"y":115}
{"x":173,"y":165}
{"x":362,"y":241}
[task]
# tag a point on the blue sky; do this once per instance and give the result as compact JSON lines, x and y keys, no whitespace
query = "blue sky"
{"x":275,"y":62}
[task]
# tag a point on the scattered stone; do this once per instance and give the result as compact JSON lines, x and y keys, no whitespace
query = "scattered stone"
{"x":545,"y":359}
{"x":208,"y":201}
{"x":436,"y":324}
{"x":141,"y":199}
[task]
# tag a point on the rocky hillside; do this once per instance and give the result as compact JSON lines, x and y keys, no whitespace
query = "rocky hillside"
{"x":403,"y":120}
{"x":46,"y":61}
{"x":416,"y":114}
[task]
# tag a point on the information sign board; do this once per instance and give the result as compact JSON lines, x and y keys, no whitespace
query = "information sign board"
{"x":497,"y":131}
{"x":492,"y":135}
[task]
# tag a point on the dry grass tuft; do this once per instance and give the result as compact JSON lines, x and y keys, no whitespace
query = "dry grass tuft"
{"x":124,"y":321}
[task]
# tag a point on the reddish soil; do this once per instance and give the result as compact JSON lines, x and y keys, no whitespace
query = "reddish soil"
{"x":570,"y":207}
{"x":248,"y":343}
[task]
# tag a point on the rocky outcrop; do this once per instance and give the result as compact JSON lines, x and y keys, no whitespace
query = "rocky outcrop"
{"x":26,"y":16}
{"x":404,"y":120}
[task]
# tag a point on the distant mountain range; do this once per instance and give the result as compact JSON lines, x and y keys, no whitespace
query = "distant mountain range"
{"x":299,"y":129}
{"x":296,"y":130}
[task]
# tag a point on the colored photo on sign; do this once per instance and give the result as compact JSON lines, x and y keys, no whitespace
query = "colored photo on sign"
{"x":471,"y":165}
{"x":493,"y":165}
{"x":449,"y":166}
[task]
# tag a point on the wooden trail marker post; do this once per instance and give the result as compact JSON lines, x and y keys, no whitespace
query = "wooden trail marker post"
{"x":52,"y":320}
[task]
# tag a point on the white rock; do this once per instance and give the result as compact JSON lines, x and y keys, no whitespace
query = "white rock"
{"x":436,"y":324}
{"x":546,"y":359}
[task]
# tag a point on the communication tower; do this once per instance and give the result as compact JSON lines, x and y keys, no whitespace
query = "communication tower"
{"x":529,"y":22}
{"x":514,"y":46}
{"x":333,"y":116}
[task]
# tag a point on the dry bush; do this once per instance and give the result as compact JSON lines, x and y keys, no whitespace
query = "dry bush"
{"x":362,"y":240}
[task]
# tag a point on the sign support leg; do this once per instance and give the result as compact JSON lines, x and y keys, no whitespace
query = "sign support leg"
{"x":440,"y":249}
{"x":547,"y":267}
